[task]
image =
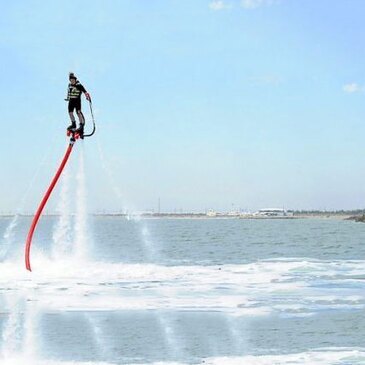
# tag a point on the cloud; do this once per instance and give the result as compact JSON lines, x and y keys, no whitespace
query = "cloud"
{"x":351,"y":88}
{"x":219,"y":5}
{"x":253,"y":4}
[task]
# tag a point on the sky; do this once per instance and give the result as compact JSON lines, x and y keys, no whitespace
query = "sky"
{"x":203,"y":104}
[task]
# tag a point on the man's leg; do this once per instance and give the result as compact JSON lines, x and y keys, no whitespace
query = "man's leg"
{"x":81,"y":117}
{"x":80,"y":130}
{"x":79,"y":112}
{"x":72,"y":117}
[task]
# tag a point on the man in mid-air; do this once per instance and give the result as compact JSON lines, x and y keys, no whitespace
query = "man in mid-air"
{"x":74,"y":91}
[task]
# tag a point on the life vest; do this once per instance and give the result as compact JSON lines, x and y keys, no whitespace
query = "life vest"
{"x":74,"y":91}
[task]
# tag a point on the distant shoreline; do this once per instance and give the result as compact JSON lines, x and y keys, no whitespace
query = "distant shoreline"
{"x":324,"y":215}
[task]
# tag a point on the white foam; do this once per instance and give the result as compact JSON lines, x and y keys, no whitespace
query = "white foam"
{"x":329,"y":356}
{"x":238,"y":289}
{"x":319,"y":357}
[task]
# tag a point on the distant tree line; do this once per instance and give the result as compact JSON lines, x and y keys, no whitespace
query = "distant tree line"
{"x":339,"y":212}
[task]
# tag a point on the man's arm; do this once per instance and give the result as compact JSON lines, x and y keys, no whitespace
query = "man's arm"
{"x":82,"y":89}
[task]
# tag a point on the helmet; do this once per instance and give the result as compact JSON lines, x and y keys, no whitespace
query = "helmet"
{"x":71,"y":75}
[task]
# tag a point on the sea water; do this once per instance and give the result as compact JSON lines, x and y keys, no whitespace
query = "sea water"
{"x":183,"y":291}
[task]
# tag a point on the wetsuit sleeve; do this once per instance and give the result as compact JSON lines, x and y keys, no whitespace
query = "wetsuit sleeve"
{"x":81,"y":88}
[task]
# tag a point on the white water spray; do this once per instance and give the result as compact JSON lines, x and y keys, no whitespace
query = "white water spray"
{"x":149,"y":246}
{"x":8,"y":237}
{"x":30,"y":341}
{"x":19,"y":341}
{"x":109,"y":173}
{"x":12,"y":332}
{"x":62,"y":230}
{"x":98,"y":337}
{"x":237,"y":340}
{"x":173,"y":345}
{"x":151,"y":252}
{"x":81,"y":236}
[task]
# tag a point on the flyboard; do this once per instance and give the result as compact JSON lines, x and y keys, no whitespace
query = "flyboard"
{"x":74,"y":136}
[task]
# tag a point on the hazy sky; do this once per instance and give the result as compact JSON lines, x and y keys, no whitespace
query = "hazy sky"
{"x":205,"y":104}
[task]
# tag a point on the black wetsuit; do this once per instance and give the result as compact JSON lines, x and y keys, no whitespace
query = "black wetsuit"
{"x":74,"y":96}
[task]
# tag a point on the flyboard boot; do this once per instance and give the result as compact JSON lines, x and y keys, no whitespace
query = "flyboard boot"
{"x":80,"y":131}
{"x":71,"y":128}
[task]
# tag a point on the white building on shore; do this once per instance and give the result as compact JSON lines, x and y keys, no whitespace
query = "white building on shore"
{"x":273,"y":212}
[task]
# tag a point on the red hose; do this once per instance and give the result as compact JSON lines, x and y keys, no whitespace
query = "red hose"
{"x":42,"y":204}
